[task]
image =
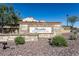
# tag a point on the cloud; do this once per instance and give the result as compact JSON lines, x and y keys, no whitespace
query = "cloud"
{"x":29,"y":19}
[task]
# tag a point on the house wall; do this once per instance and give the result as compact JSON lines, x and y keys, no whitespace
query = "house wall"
{"x":23,"y":29}
{"x":30,"y":27}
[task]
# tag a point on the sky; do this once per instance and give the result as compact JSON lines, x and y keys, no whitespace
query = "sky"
{"x":51,"y":12}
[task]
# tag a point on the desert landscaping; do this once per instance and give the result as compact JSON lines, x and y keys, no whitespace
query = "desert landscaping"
{"x":41,"y":48}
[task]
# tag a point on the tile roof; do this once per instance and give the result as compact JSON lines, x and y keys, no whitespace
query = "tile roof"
{"x":41,"y":23}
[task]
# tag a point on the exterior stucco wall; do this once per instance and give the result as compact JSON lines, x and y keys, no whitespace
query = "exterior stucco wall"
{"x":29,"y":28}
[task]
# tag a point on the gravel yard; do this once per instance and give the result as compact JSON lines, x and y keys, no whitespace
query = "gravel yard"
{"x":41,"y":48}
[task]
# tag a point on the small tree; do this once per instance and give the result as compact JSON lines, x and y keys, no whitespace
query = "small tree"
{"x":72,"y":20}
{"x":8,"y":16}
{"x":3,"y":16}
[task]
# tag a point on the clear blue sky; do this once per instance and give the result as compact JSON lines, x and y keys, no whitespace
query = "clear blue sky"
{"x":48,"y":11}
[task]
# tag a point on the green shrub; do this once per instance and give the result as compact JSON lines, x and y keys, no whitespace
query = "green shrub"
{"x":19,"y":40}
{"x":59,"y":41}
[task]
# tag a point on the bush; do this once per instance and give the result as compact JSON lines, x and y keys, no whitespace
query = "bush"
{"x":19,"y":40}
{"x":73,"y":36}
{"x":59,"y":41}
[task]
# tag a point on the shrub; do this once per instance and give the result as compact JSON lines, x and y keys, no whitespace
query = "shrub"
{"x":73,"y":36}
{"x":59,"y":41}
{"x":19,"y":40}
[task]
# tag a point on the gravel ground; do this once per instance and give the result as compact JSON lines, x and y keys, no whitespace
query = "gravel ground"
{"x":41,"y":48}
